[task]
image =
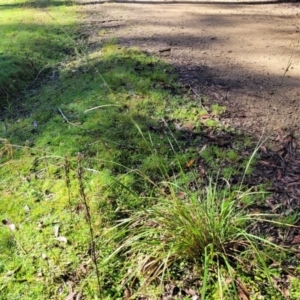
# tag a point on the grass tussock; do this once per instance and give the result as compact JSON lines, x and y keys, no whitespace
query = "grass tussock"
{"x":205,"y":229}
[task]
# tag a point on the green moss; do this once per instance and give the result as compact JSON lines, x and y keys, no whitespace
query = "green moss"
{"x":232,"y":155}
{"x":218,"y":109}
{"x":211,"y":123}
{"x":33,"y":42}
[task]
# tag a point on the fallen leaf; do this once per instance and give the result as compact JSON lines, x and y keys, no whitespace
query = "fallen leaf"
{"x":228,"y":280}
{"x":190,"y":163}
{"x":127,"y":294}
{"x":78,"y":296}
{"x":44,"y":256}
{"x":188,"y":127}
{"x":167,"y":49}
{"x":181,"y":195}
{"x":40,"y":274}
{"x":296,"y":240}
{"x":9,"y":224}
{"x":286,"y":293}
{"x":40,"y":224}
{"x":56,"y":231}
{"x":202,"y":149}
{"x":263,"y":149}
{"x":10,"y":273}
{"x":269,"y":202}
{"x":71,"y":296}
{"x":190,"y":292}
{"x":243,"y":292}
{"x":205,"y":117}
{"x":278,"y":175}
{"x":27,"y":208}
{"x":241,"y":115}
{"x":202,"y":172}
{"x":83,"y":268}
{"x":264,"y":163}
{"x":62,"y":239}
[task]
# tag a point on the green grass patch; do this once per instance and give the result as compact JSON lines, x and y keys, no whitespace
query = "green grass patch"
{"x":33,"y":42}
{"x":203,"y":235}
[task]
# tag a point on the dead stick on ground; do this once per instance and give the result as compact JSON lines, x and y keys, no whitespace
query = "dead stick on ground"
{"x":65,"y":118}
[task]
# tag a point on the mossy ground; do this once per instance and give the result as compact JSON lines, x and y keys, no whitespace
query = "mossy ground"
{"x":119,"y":108}
{"x":33,"y":42}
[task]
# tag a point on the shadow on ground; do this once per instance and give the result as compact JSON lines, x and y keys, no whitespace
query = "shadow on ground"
{"x":251,"y":52}
{"x":29,"y":51}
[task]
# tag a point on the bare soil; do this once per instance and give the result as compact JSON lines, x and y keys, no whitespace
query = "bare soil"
{"x":245,"y":55}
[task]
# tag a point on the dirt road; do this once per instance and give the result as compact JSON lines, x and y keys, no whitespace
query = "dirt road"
{"x":245,"y":55}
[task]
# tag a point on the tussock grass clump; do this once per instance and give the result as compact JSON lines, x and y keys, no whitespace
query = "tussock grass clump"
{"x":204,"y":229}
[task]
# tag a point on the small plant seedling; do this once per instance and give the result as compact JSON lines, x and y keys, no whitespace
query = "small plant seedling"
{"x":218,"y":109}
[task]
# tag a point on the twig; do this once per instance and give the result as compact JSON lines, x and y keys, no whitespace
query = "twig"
{"x":285,"y":71}
{"x":107,"y":21}
{"x":289,"y":62}
{"x":197,"y":95}
{"x":88,"y":219}
{"x":165,"y":50}
{"x":37,"y":76}
{"x":67,"y":167}
{"x":65,"y":118}
{"x":100,"y":106}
